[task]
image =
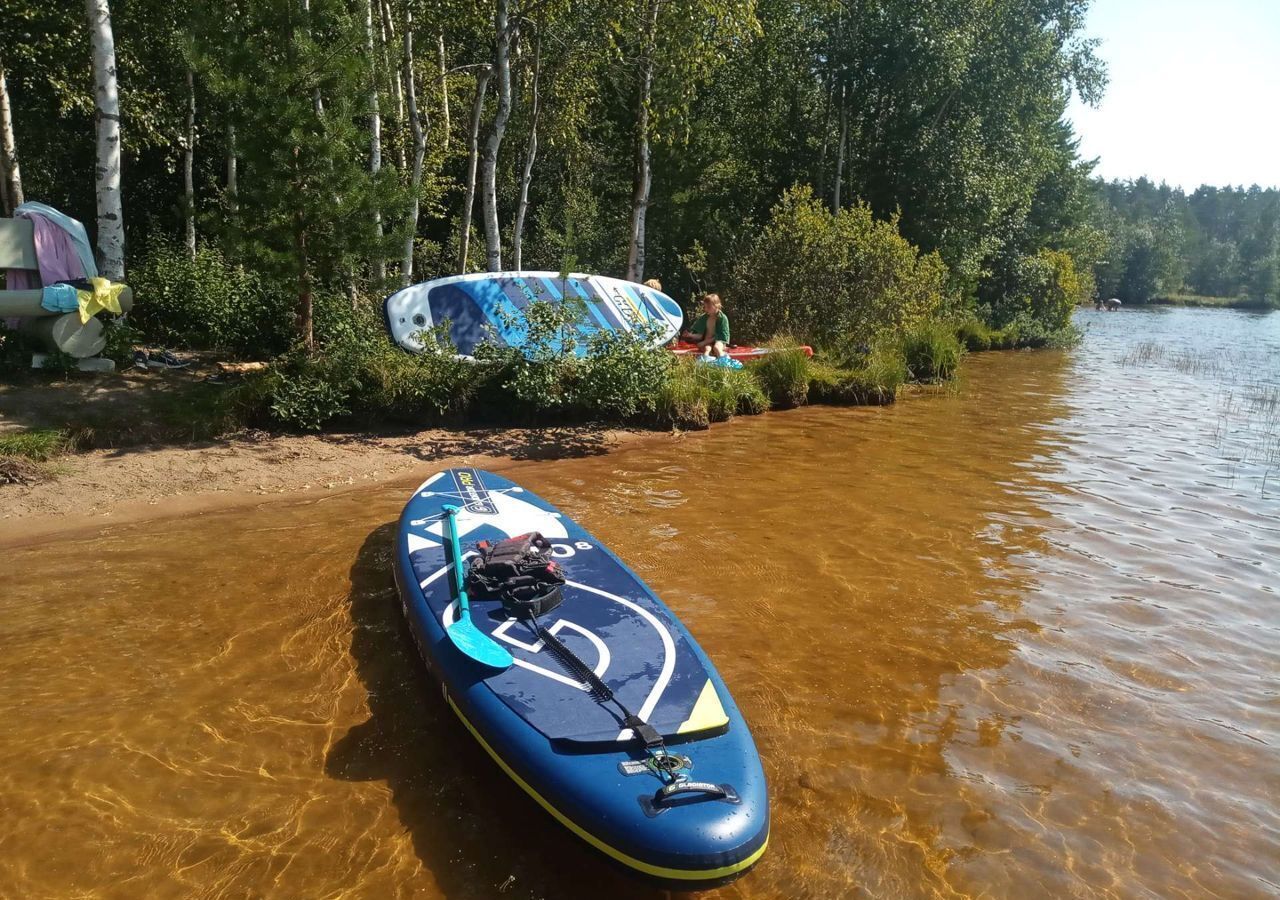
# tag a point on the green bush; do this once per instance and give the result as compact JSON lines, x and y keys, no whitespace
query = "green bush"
{"x":357,"y":374}
{"x":337,"y":321}
{"x":1027,"y":331}
{"x":538,"y":378}
{"x":59,"y":364}
{"x":833,"y":280}
{"x":1023,"y":330}
{"x":784,"y":376}
{"x":932,"y":352}
{"x":1041,"y":291}
{"x":209,"y":303}
{"x":360,"y":372}
{"x":1005,"y":338}
{"x":306,"y":391}
{"x":621,"y":376}
{"x":416,"y":389}
{"x":121,"y":337}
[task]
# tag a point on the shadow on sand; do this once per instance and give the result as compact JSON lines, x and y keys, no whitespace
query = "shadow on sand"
{"x":551,"y":442}
{"x":471,"y":826}
{"x":136,"y":412}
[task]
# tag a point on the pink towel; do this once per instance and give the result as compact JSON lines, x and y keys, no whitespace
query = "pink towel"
{"x":55,"y":254}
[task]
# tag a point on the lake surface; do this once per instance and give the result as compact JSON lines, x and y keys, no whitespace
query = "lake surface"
{"x":1019,"y":638}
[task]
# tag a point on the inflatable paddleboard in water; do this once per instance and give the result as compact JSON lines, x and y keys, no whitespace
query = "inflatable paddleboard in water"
{"x":676,"y":793}
{"x":490,"y":307}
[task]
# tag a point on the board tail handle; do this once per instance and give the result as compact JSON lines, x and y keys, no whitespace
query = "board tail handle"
{"x":684,"y":791}
{"x":471,"y":641}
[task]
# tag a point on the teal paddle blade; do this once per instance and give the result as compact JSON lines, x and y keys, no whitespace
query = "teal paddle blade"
{"x":477,"y":645}
{"x":470,"y":640}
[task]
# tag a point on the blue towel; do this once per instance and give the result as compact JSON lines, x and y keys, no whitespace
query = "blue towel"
{"x":723,"y":362}
{"x":59,"y":298}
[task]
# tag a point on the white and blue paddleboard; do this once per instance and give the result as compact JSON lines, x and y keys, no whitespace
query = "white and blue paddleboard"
{"x":543,"y":727}
{"x":489,"y":307}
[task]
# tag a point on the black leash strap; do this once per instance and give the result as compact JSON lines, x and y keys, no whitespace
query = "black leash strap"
{"x":598,"y":689}
{"x":676,"y":786}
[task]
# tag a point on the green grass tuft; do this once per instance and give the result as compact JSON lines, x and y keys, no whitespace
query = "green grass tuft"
{"x":932,"y":352}
{"x":26,"y":457}
{"x":37,"y":444}
{"x":873,"y":380}
{"x":696,"y":395}
{"x":683,"y":401}
{"x":784,"y":377}
{"x":974,"y":335}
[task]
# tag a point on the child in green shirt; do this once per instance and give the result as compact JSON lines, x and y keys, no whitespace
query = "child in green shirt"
{"x":710,"y":331}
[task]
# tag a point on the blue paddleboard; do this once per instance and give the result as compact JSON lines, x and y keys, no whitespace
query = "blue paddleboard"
{"x":567,"y":750}
{"x":490,"y":307}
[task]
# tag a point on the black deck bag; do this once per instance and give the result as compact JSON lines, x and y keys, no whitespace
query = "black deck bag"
{"x":520,"y":571}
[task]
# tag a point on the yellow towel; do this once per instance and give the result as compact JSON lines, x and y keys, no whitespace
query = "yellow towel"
{"x":105,"y":296}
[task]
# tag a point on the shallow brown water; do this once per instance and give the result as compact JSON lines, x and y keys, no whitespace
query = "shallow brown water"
{"x":1017,"y":639}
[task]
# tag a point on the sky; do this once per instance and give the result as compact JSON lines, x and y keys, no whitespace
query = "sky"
{"x":1194,"y":92}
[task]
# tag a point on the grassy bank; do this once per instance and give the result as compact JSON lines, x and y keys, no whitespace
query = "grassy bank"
{"x":878,"y":311}
{"x":1203,"y":300}
{"x":619,"y":381}
{"x":359,"y":381}
{"x":370,"y":385}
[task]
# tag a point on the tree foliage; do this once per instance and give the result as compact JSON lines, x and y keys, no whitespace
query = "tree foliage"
{"x":1217,"y":242}
{"x":929,"y":124}
{"x":839,"y":279}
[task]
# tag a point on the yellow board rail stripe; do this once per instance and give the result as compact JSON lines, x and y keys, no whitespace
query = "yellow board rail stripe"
{"x":637,"y":864}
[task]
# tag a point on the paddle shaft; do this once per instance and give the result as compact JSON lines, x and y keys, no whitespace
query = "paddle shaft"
{"x":451,"y":524}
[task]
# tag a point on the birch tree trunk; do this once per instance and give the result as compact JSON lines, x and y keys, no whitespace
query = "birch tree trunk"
{"x":395,"y":86}
{"x":840,"y":150}
{"x":828,"y":88}
{"x":517,"y":236}
{"x":468,"y":198}
{"x":107,"y":116}
{"x":188,"y":166}
{"x":10,"y":173}
{"x":317,"y":102}
{"x":643,"y":172}
{"x":306,"y":305}
{"x":375,"y":141}
{"x":444,"y":93}
{"x":419,"y":150}
{"x":502,"y":67}
{"x":232,"y":174}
